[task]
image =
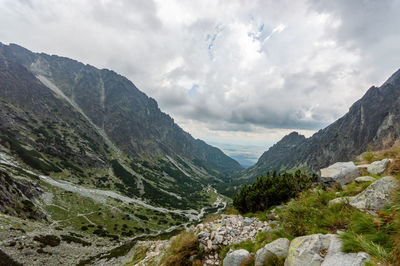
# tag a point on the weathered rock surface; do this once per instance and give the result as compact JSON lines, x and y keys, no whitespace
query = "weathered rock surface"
{"x":335,"y":256}
{"x":378,"y":167}
{"x":376,"y":196}
{"x":341,"y":172}
{"x":278,"y":247}
{"x":308,"y":250}
{"x":236,"y":257}
{"x":364,"y":179}
{"x":324,"y":250}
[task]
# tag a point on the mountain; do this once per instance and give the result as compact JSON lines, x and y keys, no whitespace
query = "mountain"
{"x":70,"y":126}
{"x":372,"y":123}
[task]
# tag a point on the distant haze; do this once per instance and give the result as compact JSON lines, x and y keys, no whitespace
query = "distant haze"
{"x":234,"y":72}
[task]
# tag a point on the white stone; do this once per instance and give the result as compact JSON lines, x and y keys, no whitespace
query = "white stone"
{"x":236,"y":257}
{"x":376,"y":196}
{"x":378,"y":167}
{"x":363,"y":179}
{"x":341,"y":172}
{"x":335,"y":256}
{"x":278,"y":247}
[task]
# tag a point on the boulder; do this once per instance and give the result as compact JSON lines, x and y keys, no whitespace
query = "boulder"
{"x":308,"y":250}
{"x":376,"y":195}
{"x":236,"y":257}
{"x":278,"y":247}
{"x":363,"y":179}
{"x":341,"y":172}
{"x":338,"y":200}
{"x":378,"y":167}
{"x":335,"y":256}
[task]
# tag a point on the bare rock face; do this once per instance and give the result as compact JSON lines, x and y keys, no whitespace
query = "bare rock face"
{"x":236,"y":257}
{"x":341,"y":172}
{"x":324,"y":250}
{"x":376,"y":196}
{"x":378,"y":167}
{"x":364,"y":179}
{"x":278,"y":247}
{"x":335,"y":256}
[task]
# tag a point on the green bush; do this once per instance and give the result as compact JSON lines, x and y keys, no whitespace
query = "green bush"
{"x":271,"y":190}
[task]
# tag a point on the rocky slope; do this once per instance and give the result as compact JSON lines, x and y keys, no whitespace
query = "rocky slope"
{"x":371,"y":123}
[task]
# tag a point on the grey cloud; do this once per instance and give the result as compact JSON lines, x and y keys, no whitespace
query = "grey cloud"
{"x":303,"y":77}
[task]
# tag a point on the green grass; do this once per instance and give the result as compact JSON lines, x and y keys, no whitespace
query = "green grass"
{"x":310,"y":214}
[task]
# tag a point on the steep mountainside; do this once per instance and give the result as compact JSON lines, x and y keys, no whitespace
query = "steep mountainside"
{"x":371,"y":123}
{"x":94,"y":128}
{"x":131,"y":120}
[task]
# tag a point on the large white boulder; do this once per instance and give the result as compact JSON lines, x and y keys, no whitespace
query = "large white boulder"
{"x":278,"y":247}
{"x":308,"y":250}
{"x":376,"y":195}
{"x":342,"y":172}
{"x":324,"y":250}
{"x":236,"y":257}
{"x":335,"y":256}
{"x":378,"y":167}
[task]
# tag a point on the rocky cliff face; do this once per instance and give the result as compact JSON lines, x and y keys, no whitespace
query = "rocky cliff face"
{"x":371,"y":123}
{"x":131,"y":120}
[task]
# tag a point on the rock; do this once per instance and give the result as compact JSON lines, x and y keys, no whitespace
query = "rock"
{"x":338,"y":200}
{"x":236,"y":257}
{"x":376,"y":195}
{"x":342,"y":172}
{"x":247,"y":221}
{"x":378,"y":167}
{"x":308,"y":250}
{"x":278,"y":247}
{"x":203,"y":234}
{"x":335,"y":256}
{"x":209,"y":244}
{"x":363,"y":179}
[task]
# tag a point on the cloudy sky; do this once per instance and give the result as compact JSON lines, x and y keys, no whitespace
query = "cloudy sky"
{"x":235,"y":72}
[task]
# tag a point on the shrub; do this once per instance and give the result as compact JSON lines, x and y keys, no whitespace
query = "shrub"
{"x":271,"y":190}
{"x":183,"y":246}
{"x":48,"y":240}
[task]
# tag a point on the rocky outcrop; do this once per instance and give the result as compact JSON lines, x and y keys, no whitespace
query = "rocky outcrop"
{"x":323,"y":250}
{"x":376,"y":196}
{"x":235,"y":258}
{"x":278,"y":248}
{"x":365,"y":179}
{"x":378,"y":167}
{"x":341,"y":172}
{"x":335,"y":256}
{"x":308,"y":250}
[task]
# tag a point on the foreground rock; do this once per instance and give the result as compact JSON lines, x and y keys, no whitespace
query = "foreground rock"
{"x":236,"y":257}
{"x":278,"y":247}
{"x":323,"y":250}
{"x":375,"y":196}
{"x":364,"y":179}
{"x":341,"y":172}
{"x":378,"y":167}
{"x":335,"y":256}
